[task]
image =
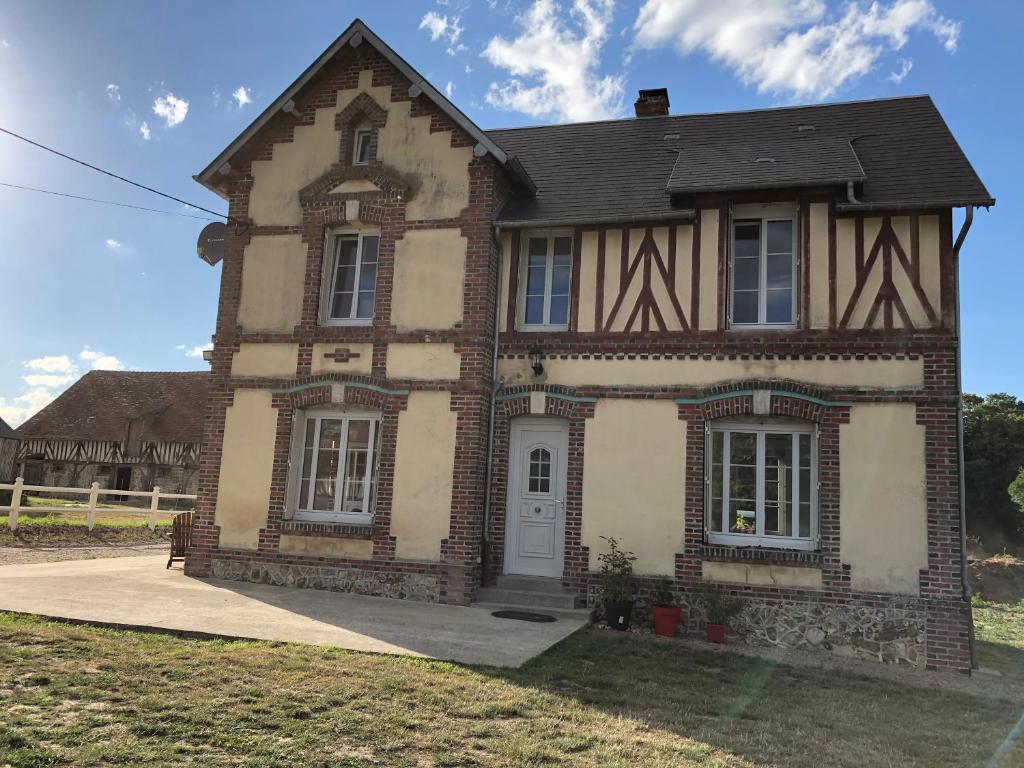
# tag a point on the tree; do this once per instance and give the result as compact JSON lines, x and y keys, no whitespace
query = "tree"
{"x":993,"y":459}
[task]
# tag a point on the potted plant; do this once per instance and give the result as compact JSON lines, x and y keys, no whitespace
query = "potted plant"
{"x":719,"y":608}
{"x":617,"y":578}
{"x":663,"y":606}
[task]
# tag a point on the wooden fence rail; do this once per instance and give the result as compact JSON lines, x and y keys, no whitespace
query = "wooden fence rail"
{"x":93,"y":493}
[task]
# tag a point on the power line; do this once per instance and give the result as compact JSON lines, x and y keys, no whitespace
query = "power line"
{"x":112,"y":175}
{"x":105,"y":202}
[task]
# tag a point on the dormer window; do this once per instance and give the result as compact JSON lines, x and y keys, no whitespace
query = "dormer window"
{"x":763,"y":267}
{"x":362,"y":147}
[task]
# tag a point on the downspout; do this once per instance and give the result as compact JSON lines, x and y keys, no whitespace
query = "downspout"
{"x":485,"y":545}
{"x":964,"y":577}
{"x":851,"y":198}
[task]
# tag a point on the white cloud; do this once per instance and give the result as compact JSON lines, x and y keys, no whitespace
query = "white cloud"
{"x":905,"y":66}
{"x":144,"y":130}
{"x":554,"y":63}
{"x":4,"y":44}
{"x":794,"y":47}
{"x":113,"y":92}
{"x":18,"y":410}
{"x":52,"y":364}
{"x":114,"y":245}
{"x":100,"y":361}
{"x":449,"y":89}
{"x":443,"y":28}
{"x":172,"y":109}
{"x":242,"y":96}
{"x":196,"y":351}
{"x":48,"y":380}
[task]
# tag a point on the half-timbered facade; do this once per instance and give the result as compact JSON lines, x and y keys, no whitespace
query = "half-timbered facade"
{"x":123,"y":430}
{"x":449,"y":362}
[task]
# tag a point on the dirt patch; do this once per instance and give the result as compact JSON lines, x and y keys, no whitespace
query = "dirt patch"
{"x":29,"y":555}
{"x":67,"y":534}
{"x":998,"y":578}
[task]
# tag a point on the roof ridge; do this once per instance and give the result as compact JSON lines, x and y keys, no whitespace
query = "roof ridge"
{"x":794,"y":108}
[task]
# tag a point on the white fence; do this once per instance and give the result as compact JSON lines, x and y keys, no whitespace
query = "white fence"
{"x":93,"y":493}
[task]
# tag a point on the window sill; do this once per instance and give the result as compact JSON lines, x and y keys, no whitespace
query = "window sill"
{"x":542,"y":328}
{"x":360,"y":323}
{"x":328,"y":529}
{"x":729,"y":553}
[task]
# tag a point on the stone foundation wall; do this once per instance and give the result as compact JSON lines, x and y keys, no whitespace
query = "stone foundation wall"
{"x":424,"y":588}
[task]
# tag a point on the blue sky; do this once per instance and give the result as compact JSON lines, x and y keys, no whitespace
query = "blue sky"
{"x":154,"y":91}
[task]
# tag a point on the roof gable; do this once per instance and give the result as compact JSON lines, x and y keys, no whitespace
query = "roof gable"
{"x":356,"y":34}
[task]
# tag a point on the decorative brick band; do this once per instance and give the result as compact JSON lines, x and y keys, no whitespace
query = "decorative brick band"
{"x":341,"y":355}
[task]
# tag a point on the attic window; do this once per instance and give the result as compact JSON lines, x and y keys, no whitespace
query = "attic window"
{"x":805,"y":128}
{"x":765,"y":160}
{"x":671,"y":136}
{"x":362,"y":146}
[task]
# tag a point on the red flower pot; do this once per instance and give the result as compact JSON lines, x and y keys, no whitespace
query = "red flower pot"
{"x":716,"y":633}
{"x":666,"y":619}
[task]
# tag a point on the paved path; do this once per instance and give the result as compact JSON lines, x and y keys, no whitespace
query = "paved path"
{"x":139,"y":591}
{"x":56,"y":552}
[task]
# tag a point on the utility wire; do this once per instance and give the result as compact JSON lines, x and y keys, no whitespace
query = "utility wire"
{"x":112,"y":175}
{"x":105,"y":202}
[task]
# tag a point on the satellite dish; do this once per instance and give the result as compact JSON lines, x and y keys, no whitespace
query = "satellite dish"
{"x":210,"y":245}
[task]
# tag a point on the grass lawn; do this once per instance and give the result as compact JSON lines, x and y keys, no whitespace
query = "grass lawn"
{"x":85,"y":696}
{"x":999,"y":637}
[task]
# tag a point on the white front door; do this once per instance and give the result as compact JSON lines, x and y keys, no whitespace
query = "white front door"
{"x":535,"y":524}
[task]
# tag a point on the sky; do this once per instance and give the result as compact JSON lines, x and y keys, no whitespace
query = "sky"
{"x":154,"y":91}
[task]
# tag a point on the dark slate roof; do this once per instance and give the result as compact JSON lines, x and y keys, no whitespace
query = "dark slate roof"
{"x":100,"y":405}
{"x":620,"y":169}
{"x":803,"y":159}
{"x":6,"y":433}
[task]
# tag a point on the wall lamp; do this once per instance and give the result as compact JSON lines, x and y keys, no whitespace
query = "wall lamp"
{"x":535,"y":355}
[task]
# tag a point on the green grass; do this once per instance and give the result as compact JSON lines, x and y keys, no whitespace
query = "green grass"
{"x":75,"y":695}
{"x":999,"y":637}
{"x":108,"y":518}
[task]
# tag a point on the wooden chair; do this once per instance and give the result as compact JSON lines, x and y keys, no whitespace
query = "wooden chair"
{"x":181,"y":536}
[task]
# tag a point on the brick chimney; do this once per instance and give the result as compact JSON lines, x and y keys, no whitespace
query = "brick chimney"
{"x":652,"y":102}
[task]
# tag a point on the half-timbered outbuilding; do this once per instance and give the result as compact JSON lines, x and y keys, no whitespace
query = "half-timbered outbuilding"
{"x":9,"y":440}
{"x":450,"y":362}
{"x":122,"y":429}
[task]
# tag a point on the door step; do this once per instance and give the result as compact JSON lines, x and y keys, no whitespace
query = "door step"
{"x":528,"y":592}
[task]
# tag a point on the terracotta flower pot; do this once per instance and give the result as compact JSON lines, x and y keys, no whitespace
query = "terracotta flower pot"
{"x":666,"y":619}
{"x":617,"y":615}
{"x":716,"y":633}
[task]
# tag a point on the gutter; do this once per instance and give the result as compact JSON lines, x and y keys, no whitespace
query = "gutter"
{"x":964,"y":577}
{"x":686,"y":214}
{"x":485,"y":544}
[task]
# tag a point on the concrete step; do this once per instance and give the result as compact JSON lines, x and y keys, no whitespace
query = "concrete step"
{"x":531,"y":584}
{"x":522,"y":598}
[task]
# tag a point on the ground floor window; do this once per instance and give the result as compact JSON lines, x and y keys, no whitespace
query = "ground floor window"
{"x":333,"y":467}
{"x":762,"y":484}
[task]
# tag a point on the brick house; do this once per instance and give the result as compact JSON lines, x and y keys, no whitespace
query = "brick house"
{"x":448,"y":362}
{"x":126,"y":430}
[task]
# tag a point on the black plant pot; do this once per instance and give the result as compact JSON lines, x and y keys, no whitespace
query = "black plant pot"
{"x":617,"y":614}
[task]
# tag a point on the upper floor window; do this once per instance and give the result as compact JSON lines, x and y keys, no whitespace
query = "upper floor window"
{"x":547,"y":274}
{"x":362,"y":146}
{"x":762,"y":485}
{"x":333,"y":473}
{"x":763,"y":274}
{"x":352,"y":277}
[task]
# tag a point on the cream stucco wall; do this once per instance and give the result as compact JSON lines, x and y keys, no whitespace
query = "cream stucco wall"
{"x":423,"y":361}
{"x":708,"y":270}
{"x":323,"y":546}
{"x":438,"y":173}
{"x":633,"y":481}
{"x":430,"y":266}
{"x":273,"y":281}
{"x":247,"y":460}
{"x":424,"y":461}
{"x":882,"y":510}
{"x":361,"y":364}
{"x":265,"y":360}
{"x":818,"y":236}
{"x":762,"y":575}
{"x":836,"y":373}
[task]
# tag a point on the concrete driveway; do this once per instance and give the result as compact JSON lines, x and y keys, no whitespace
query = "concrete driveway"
{"x":140,"y":592}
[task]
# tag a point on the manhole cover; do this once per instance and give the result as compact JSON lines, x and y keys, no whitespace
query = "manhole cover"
{"x":524,"y":616}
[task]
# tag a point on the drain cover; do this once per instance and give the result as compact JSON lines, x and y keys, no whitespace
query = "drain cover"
{"x":524,"y":616}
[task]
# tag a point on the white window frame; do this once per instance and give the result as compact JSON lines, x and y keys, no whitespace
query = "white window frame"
{"x":357,"y":138}
{"x":332,"y":247}
{"x":764,"y":214}
{"x":760,"y":428}
{"x":524,"y":262}
{"x":295,"y":467}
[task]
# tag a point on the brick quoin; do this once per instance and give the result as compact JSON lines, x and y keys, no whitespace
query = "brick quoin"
{"x":461,"y":569}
